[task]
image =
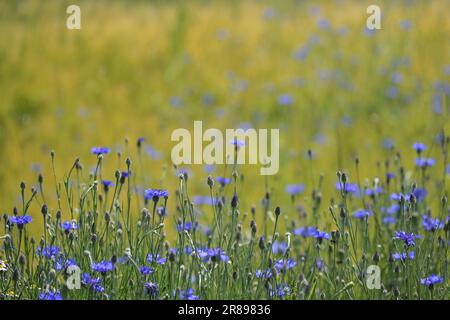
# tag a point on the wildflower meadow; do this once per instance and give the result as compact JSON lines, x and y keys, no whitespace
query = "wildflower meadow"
{"x":352,"y":121}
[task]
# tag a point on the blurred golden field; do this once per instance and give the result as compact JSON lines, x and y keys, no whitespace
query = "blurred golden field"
{"x":142,"y":69}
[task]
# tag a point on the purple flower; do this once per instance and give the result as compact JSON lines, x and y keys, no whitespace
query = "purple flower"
{"x":432,"y":224}
{"x":60,"y":264}
{"x":93,"y":283}
{"x":371,"y":192}
{"x":188,"y":295}
{"x":157,"y":259}
{"x":186,"y":227}
{"x":285,"y":100}
{"x":349,"y":187}
{"x":264,"y":274}
{"x":388,"y":220}
{"x":100,"y":150}
{"x":103,"y":267}
{"x":424,"y":162}
{"x":68,"y":226}
{"x":152,"y":289}
{"x":155,"y":194}
{"x":419,"y":147}
{"x":279,"y":247}
{"x":362,"y":214}
{"x":320,"y":235}
{"x":284,"y":264}
{"x":49,"y":295}
{"x":403,"y":256}
{"x":305,"y":232}
{"x":146,"y":270}
{"x":50,"y":252}
{"x":107,"y":184}
{"x":295,"y":189}
{"x":200,"y":200}
{"x":238,"y":143}
{"x":407,"y":238}
{"x":214,"y":255}
{"x":280,"y":291}
{"x":20,"y":221}
{"x":223,"y":181}
{"x":432,"y":280}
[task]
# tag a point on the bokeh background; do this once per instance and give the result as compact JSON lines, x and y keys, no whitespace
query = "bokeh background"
{"x":142,"y":69}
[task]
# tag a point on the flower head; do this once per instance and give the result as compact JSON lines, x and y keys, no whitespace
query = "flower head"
{"x":432,"y":224}
{"x":432,"y":280}
{"x":362,"y":214}
{"x":20,"y":221}
{"x":102,"y":267}
{"x":295,"y":189}
{"x":50,"y":252}
{"x":69,"y":226}
{"x":156,"y":258}
{"x":152,"y":289}
{"x":50,"y":295}
{"x":100,"y":150}
{"x":407,"y":238}
{"x":155,"y":194}
{"x":419,"y":147}
{"x":188,"y":295}
{"x":223,"y":181}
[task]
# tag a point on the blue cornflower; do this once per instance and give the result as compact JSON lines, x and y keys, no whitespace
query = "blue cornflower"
{"x":432,"y":224}
{"x":305,"y":232}
{"x":407,"y":238}
{"x":420,"y":194}
{"x":295,"y":189}
{"x":20,"y":221}
{"x":447,"y":170}
{"x":349,"y":187}
{"x":223,"y":181}
{"x":388,"y":220}
{"x":419,"y":147}
{"x":424,"y":162}
{"x":152,"y":289}
{"x":68,"y":226}
{"x":213,"y":255}
{"x":50,"y":252}
{"x":156,"y":258}
{"x":155,"y":194}
{"x":393,"y":209}
{"x":264,"y":274}
{"x":403,"y":256}
{"x":107,"y":184}
{"x":188,"y":295}
{"x":60,"y":264}
{"x":146,"y":270}
{"x":103,"y":267}
{"x":280,"y":291}
{"x":279,"y":247}
{"x":49,"y":295}
{"x":362,"y":214}
{"x":432,"y":280}
{"x":285,"y":100}
{"x":186,"y":227}
{"x":320,"y":235}
{"x":93,"y":283}
{"x":371,"y":192}
{"x":238,"y":143}
{"x":200,"y":200}
{"x":284,"y":264}
{"x":100,"y":150}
